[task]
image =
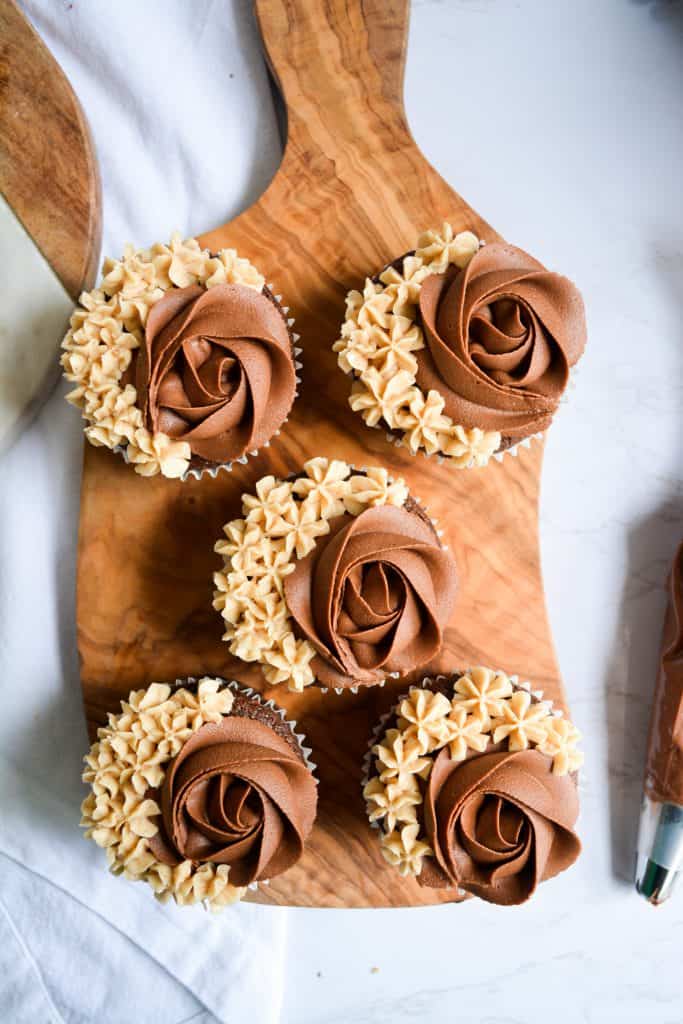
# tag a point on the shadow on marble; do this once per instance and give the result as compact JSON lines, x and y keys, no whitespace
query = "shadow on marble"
{"x":632,"y":672}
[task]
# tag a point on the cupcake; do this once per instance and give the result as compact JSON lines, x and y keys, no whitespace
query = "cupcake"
{"x":200,"y":790}
{"x":461,"y":350}
{"x":335,"y":577}
{"x":471,"y":784}
{"x":183,"y":361}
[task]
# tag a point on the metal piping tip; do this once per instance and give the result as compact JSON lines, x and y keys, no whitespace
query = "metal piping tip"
{"x":654,"y":882}
{"x":659,"y":859}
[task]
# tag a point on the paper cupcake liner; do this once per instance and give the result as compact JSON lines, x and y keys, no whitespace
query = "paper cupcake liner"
{"x":213,"y":469}
{"x":442,"y":459}
{"x":257,"y":698}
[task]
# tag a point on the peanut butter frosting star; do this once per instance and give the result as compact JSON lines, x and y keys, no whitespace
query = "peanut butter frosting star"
{"x":404,"y":288}
{"x":241,"y":536}
{"x":393,"y":803}
{"x":522,"y":722}
{"x":290,"y":662}
{"x":372,"y":488}
{"x":464,"y":732}
{"x":393,"y":350}
{"x":423,"y":716}
{"x":399,"y":756}
{"x":423,"y":422}
{"x":378,"y":397}
{"x":404,"y":851}
{"x":374,"y":311}
{"x":469,"y":447}
{"x":482,"y":692}
{"x":559,"y":742}
{"x":301,"y":527}
{"x":438,"y":249}
{"x":266,"y":507}
{"x":324,"y":486}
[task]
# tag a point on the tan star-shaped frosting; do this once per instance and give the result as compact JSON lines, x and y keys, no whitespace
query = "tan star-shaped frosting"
{"x":398,"y":757}
{"x":522,"y":721}
{"x":266,"y":506}
{"x":404,"y":851}
{"x":302,"y":525}
{"x":372,"y":488}
{"x":394,"y":802}
{"x":241,"y":535}
{"x":377,"y":397}
{"x":481,"y":691}
{"x":423,"y":422}
{"x":438,"y":249}
{"x":270,"y":558}
{"x":157,"y":453}
{"x":559,"y":742}
{"x":356,"y":349}
{"x":375,"y":311}
{"x":289,"y":663}
{"x":404,"y":288}
{"x":324,"y":487}
{"x":464,"y":733}
{"x":469,"y":447}
{"x":423,"y":716}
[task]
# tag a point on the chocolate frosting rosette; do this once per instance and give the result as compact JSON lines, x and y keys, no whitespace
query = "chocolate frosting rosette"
{"x":461,"y":350}
{"x":335,"y":577}
{"x":199,"y":789}
{"x":183,"y":361}
{"x":471,"y":782}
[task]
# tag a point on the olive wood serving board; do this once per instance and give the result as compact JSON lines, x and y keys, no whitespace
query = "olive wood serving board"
{"x":352,"y":193}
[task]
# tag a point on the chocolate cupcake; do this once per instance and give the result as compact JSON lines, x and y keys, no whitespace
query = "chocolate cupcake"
{"x":199,"y":789}
{"x":471,"y":782}
{"x":461,"y":350}
{"x":183,"y":361}
{"x":335,"y":577}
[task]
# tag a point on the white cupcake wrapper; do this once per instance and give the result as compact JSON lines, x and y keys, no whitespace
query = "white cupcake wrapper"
{"x":197,"y":472}
{"x":445,"y":460}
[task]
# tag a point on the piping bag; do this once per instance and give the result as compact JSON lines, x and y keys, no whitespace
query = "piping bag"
{"x":659,"y":858}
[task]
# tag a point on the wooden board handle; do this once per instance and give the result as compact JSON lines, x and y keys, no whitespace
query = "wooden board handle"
{"x":339,"y":65}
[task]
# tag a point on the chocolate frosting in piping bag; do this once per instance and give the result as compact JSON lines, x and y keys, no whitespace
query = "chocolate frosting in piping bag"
{"x":501,"y":336}
{"x":373,"y":596}
{"x":216,"y":369}
{"x":664,"y":771}
{"x":499,"y":823}
{"x":237,"y":794}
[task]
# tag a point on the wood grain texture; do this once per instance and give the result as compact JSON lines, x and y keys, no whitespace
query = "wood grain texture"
{"x":352,"y":193}
{"x":48,"y":170}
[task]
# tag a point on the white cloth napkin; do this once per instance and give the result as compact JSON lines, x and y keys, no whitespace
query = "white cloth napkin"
{"x":179,"y":104}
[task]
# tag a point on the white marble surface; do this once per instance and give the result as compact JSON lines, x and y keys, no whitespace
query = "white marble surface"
{"x":561,"y":123}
